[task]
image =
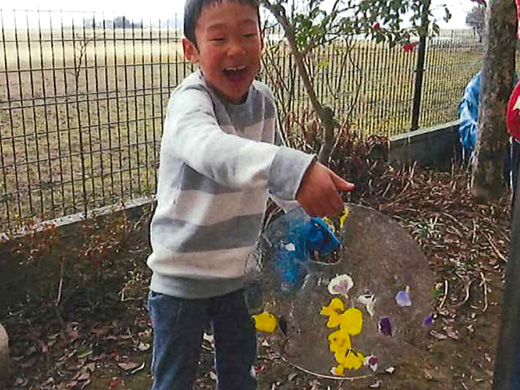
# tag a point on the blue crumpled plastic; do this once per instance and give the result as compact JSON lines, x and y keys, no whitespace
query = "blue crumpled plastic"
{"x":307,"y":237}
{"x":468,"y":111}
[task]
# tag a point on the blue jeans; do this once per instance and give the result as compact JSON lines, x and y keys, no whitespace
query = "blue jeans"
{"x":179,"y":325}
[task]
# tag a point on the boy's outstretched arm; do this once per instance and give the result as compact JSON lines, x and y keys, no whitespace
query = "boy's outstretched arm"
{"x":319,"y":191}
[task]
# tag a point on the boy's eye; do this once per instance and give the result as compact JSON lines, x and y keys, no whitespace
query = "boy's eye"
{"x":217,"y":39}
{"x":250,"y":35}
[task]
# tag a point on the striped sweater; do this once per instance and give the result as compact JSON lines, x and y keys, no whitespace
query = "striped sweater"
{"x":218,"y":164}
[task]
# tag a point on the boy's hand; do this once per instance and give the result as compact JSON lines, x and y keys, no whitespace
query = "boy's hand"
{"x":319,"y":191}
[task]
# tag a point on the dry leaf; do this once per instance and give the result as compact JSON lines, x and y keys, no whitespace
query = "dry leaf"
{"x":128,"y":366}
{"x":437,"y":335}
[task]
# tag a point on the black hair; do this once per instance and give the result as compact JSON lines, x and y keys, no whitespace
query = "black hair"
{"x":193,"y":8}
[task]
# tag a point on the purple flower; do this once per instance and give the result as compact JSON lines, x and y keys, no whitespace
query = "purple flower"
{"x":385,"y":327}
{"x":373,"y":360}
{"x":403,"y":298}
{"x":428,"y":320}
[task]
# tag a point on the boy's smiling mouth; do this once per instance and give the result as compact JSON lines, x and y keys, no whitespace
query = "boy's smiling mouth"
{"x":235,"y":74}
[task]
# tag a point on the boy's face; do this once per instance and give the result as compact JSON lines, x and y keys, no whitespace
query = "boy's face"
{"x":229,"y":46}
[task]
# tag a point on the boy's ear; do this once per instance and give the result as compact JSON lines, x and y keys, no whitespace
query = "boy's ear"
{"x":190,"y":51}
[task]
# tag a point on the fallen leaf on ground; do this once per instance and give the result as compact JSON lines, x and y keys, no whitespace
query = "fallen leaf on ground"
{"x":128,"y":366}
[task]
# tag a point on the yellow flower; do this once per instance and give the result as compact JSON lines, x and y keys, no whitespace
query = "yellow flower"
{"x":334,"y":312}
{"x":353,"y":361}
{"x":344,"y":217}
{"x":339,"y":343}
{"x":339,"y":370}
{"x":352,"y":321}
{"x":265,"y":322}
{"x":329,"y":223}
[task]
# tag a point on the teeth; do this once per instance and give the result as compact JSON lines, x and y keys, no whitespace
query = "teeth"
{"x":236,"y":68}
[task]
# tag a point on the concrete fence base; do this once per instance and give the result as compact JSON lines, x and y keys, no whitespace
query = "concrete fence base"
{"x":4,"y":355}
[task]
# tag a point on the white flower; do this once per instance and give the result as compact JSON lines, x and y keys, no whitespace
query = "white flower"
{"x":369,"y":300}
{"x":340,"y":285}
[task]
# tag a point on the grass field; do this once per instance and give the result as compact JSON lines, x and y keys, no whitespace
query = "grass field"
{"x":81,"y":109}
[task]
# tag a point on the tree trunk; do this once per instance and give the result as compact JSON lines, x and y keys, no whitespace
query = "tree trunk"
{"x":497,"y":82}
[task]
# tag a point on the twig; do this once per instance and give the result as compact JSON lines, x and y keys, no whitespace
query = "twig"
{"x":474,"y":237}
{"x":484,"y":284}
{"x":60,"y":284}
{"x":467,"y":293}
{"x":58,"y":298}
{"x":499,"y":254}
{"x":445,"y":294}
{"x":340,"y":378}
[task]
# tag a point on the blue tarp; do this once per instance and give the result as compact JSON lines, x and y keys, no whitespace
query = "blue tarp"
{"x":468,"y":110}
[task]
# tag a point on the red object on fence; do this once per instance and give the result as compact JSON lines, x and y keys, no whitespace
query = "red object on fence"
{"x":513,"y":108}
{"x":513,"y":114}
{"x":408,"y":47}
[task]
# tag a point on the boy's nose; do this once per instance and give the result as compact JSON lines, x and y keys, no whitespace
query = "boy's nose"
{"x":235,"y":47}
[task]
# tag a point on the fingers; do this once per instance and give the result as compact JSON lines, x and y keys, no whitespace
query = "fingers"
{"x":319,"y":193}
{"x":340,"y":184}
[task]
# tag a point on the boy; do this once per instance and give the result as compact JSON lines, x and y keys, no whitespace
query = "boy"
{"x":217,"y":166}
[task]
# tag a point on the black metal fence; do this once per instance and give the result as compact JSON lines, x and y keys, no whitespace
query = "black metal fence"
{"x":83,"y":96}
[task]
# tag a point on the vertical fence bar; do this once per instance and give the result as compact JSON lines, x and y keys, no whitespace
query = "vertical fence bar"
{"x":56,"y":113}
{"x":419,"y":74}
{"x":137,"y":91}
{"x":147,"y":126}
{"x":99,"y":93}
{"x":152,"y":78}
{"x":34,"y":116}
{"x":68,"y":117}
{"x":88,"y":128}
{"x":25,"y":163}
{"x":118,"y":113}
{"x":77,"y":75}
{"x":16,"y":192}
{"x":419,"y":71}
{"x":46,"y":120}
{"x":127,"y":123}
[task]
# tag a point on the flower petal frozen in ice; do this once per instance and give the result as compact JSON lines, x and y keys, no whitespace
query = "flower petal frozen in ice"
{"x":369,"y":300}
{"x":339,"y":343}
{"x":344,"y":217}
{"x":403,"y":297}
{"x":341,"y":284}
{"x":352,"y":321}
{"x":428,"y":320}
{"x":334,"y":311}
{"x":265,"y":322}
{"x":385,"y":327}
{"x":338,"y":371}
{"x":371,"y":362}
{"x":353,"y":361}
{"x":329,"y":223}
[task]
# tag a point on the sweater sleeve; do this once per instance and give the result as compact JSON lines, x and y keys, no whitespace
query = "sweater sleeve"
{"x":193,"y":135}
{"x":286,"y":205}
